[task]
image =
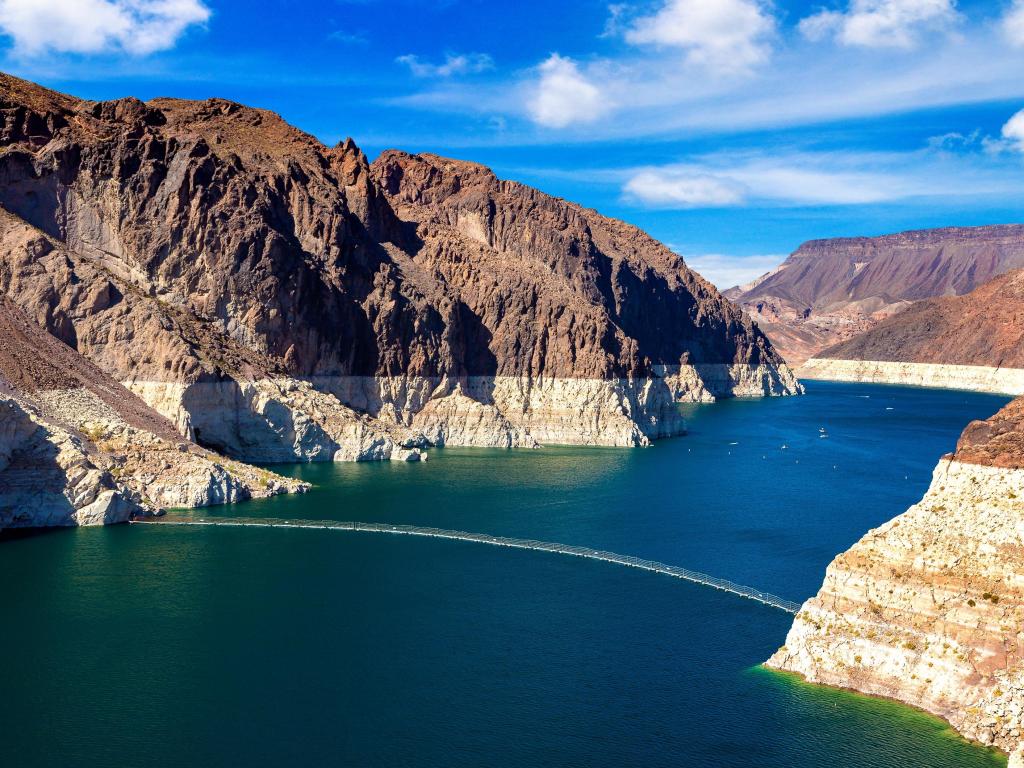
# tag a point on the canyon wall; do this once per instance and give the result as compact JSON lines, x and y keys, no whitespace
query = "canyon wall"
{"x":77,"y":448}
{"x":831,"y":290}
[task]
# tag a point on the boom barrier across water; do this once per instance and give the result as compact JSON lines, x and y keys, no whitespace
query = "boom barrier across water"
{"x":686,"y":574}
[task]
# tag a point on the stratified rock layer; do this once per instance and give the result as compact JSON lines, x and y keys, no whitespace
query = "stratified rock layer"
{"x":928,"y":609}
{"x":828,"y":291}
{"x":280,"y":300}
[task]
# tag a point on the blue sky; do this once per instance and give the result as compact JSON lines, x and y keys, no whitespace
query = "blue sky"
{"x":732,"y":130}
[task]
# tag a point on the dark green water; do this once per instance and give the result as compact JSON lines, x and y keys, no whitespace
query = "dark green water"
{"x":166,"y":646}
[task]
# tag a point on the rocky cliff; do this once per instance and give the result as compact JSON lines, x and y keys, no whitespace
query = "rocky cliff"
{"x":77,"y":448}
{"x":975,"y":341}
{"x":828,"y":291}
{"x":279,"y":300}
{"x":928,"y":609}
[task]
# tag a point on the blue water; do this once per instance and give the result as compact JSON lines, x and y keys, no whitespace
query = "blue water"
{"x":163,"y":646}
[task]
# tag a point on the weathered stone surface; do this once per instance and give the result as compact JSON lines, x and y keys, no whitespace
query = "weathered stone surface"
{"x":928,"y":609}
{"x":828,"y":291}
{"x":974,"y":341}
{"x":230,"y":269}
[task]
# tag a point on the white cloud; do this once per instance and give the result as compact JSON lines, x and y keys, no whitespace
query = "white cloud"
{"x":564,"y":95}
{"x":681,"y":188}
{"x":454,"y":64}
{"x":1013,"y":132}
{"x":725,"y":35}
{"x":881,"y":23}
{"x":98,"y":26}
{"x":797,"y":178}
{"x":724,"y":271}
{"x":1013,"y":23}
{"x":348,"y":38}
{"x":647,"y":93}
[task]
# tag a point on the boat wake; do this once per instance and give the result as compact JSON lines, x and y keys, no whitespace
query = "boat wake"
{"x":765,"y":598}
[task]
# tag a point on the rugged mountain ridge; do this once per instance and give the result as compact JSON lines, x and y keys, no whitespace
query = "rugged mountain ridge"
{"x":928,"y":609}
{"x":280,"y":300}
{"x":828,"y":291}
{"x":77,"y":448}
{"x":974,"y":341}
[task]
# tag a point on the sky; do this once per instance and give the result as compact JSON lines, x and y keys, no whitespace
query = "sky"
{"x":731,"y":130}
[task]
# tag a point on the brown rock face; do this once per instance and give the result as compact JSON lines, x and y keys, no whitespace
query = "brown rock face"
{"x":278,"y":299}
{"x":983,"y":327}
{"x":831,"y":290}
{"x":559,"y":290}
{"x":997,"y":441}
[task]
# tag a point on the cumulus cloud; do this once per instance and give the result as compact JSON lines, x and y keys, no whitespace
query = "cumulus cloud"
{"x":1013,"y":132}
{"x":682,"y":188}
{"x":98,"y":26}
{"x":1013,"y":23}
{"x":454,"y":64}
{"x":563,"y":95}
{"x":881,"y":23}
{"x":725,"y":35}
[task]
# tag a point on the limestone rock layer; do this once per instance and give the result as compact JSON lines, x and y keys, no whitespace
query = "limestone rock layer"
{"x":974,"y":341}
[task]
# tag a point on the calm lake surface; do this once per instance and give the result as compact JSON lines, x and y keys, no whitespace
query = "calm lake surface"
{"x":179,"y":646}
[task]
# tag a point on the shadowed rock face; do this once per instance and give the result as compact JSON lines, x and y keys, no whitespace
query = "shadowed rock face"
{"x":929,"y":607}
{"x":559,"y":290}
{"x":219,"y":261}
{"x":828,"y":291}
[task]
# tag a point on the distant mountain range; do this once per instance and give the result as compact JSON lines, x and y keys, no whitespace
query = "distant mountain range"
{"x":828,"y":291}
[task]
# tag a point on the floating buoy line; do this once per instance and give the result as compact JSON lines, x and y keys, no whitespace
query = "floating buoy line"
{"x":696,"y":577}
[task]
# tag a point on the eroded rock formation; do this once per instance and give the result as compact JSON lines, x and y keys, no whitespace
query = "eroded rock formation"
{"x":280,"y":300}
{"x":975,"y":341}
{"x":77,"y":448}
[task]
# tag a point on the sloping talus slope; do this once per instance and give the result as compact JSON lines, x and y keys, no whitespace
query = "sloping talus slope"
{"x":975,"y":341}
{"x":77,"y":448}
{"x":929,"y":608}
{"x":830,"y":290}
{"x":278,"y":299}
